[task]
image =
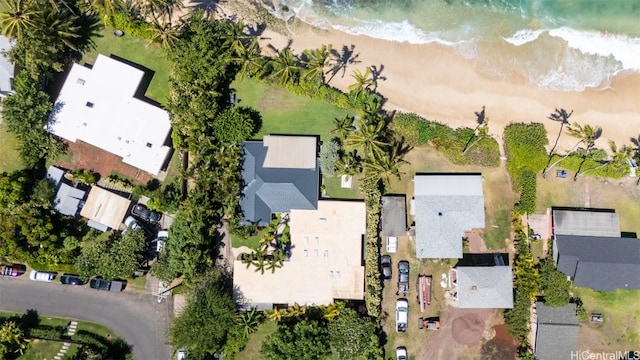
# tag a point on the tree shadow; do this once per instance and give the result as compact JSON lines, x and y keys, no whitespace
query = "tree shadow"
{"x":210,"y":7}
{"x":346,"y":56}
{"x":376,"y":75}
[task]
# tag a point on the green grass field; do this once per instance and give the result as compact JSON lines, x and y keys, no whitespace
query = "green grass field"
{"x":10,"y":159}
{"x":252,"y":350}
{"x":140,"y":52}
{"x":284,"y":112}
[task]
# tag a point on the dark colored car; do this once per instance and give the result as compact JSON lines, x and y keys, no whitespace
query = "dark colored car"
{"x":100,"y":284}
{"x":403,"y":276}
{"x":68,"y":279}
{"x":143,"y":213}
{"x":12,"y":270}
{"x":385,"y":267}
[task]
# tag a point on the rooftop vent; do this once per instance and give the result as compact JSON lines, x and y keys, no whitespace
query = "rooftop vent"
{"x":439,"y":214}
{"x":80,"y":81}
{"x":473,"y":287}
{"x":89,"y":104}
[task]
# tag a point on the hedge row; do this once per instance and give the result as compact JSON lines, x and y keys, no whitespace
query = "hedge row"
{"x":373,"y":283}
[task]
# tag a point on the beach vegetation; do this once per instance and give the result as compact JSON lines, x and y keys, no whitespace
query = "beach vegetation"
{"x":315,"y":62}
{"x":562,"y":116}
{"x":586,"y":135}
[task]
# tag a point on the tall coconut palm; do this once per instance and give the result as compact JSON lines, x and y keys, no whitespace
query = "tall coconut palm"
{"x":370,"y":136}
{"x":349,"y":164}
{"x":586,"y":134}
{"x":60,"y":25}
{"x":386,"y":166}
{"x":342,"y":127}
{"x":562,"y":116}
{"x":235,"y":37}
{"x":364,"y":81}
{"x":315,"y":61}
{"x":249,"y":59}
{"x":163,"y":34}
{"x":618,"y":159}
{"x":18,"y":16}
{"x":284,"y":67}
{"x":481,"y":132}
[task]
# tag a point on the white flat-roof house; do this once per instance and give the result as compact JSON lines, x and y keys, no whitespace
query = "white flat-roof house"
{"x":326,"y":260}
{"x":7,"y":68}
{"x":98,"y":106}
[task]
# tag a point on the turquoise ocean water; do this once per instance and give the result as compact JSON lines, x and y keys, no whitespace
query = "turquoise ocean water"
{"x":566,"y":45}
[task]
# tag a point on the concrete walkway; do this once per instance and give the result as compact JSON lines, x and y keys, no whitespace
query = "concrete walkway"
{"x":73,"y":326}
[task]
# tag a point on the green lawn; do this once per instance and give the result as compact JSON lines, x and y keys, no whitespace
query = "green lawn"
{"x":252,"y":350}
{"x":334,"y":189}
{"x":137,"y":51}
{"x":536,"y":250}
{"x":284,"y":112}
{"x":10,"y":159}
{"x":621,"y":326}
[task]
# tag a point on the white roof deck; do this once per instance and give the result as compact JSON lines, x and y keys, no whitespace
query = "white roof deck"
{"x":97,"y":106}
{"x":325,"y":264}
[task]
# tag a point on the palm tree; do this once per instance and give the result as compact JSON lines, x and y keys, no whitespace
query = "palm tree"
{"x":235,"y":37}
{"x":249,"y":59}
{"x":562,"y":116}
{"x":386,"y":166}
{"x":60,"y":25}
{"x":109,"y":6}
{"x":284,"y":67}
{"x":370,"y":136}
{"x":164,"y":34}
{"x":249,"y":321}
{"x":481,"y":132}
{"x":316,"y":61}
{"x":364,"y":81}
{"x":619,"y":157}
{"x":586,"y":134}
{"x":342,"y":127}
{"x":276,"y":261}
{"x":18,"y":16}
{"x":349,"y":164}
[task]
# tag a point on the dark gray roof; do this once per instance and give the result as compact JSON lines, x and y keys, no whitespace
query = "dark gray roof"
{"x":271,"y":190}
{"x":394,"y":216}
{"x":68,"y":200}
{"x":557,"y":332}
{"x":586,"y":223}
{"x":601,"y":263}
{"x":447,"y":205}
{"x":485,"y":287}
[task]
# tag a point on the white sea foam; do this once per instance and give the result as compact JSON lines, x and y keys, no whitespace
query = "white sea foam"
{"x":522,"y":37}
{"x":622,"y":48}
{"x":393,"y":31}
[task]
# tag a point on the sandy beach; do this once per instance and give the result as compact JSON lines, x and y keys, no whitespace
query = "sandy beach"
{"x":438,"y":83}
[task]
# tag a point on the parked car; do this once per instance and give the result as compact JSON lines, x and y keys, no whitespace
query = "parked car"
{"x":180,"y":354}
{"x":596,"y":318}
{"x":161,"y":240}
{"x":401,"y":353}
{"x":41,"y":276}
{"x":392,"y":244}
{"x":429,"y":324}
{"x":131,"y":223}
{"x":402,"y":315}
{"x":403,"y":277}
{"x":102,"y":284}
{"x":12,"y":270}
{"x":69,"y":279}
{"x":385,"y":267}
{"x":144,"y":214}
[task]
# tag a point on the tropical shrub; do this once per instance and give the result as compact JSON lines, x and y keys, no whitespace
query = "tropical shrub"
{"x":554,"y":284}
{"x":329,"y":155}
{"x":525,"y":148}
{"x":528,"y":184}
{"x":572,"y":163}
{"x":373,"y":285}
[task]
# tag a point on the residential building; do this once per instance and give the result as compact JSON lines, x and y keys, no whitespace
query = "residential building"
{"x":589,"y":249}
{"x":101,"y":106}
{"x":483,"y":287}
{"x":68,"y":199}
{"x":326,"y":261}
{"x":280,"y":174}
{"x":447,"y":205}
{"x":7,"y":68}
{"x":105,"y":210}
{"x":394,"y":215}
{"x":556,"y":332}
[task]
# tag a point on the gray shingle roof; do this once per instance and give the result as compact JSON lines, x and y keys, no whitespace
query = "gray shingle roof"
{"x":269,"y":190}
{"x":394,"y":216}
{"x":447,"y":205}
{"x":586,"y":223}
{"x":485,"y":287}
{"x":601,"y":263}
{"x":68,"y":200}
{"x":557,"y":332}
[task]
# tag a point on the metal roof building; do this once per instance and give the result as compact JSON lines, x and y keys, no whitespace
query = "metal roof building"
{"x":591,"y":222}
{"x":394,"y":215}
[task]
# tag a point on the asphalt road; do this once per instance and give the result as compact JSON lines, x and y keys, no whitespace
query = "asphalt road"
{"x":137,"y":318}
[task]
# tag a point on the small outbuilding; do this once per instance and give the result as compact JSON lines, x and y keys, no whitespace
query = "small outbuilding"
{"x":104,"y":209}
{"x":556,"y":332}
{"x":394,"y":215}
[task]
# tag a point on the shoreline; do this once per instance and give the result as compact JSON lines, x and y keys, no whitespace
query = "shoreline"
{"x":438,"y":83}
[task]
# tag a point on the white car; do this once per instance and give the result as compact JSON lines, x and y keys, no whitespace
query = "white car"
{"x":41,"y":276}
{"x":401,"y":353}
{"x":402,"y":315}
{"x":161,"y":240}
{"x":180,"y":354}
{"x":392,"y":244}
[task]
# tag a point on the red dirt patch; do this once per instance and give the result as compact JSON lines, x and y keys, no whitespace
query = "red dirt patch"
{"x":89,"y":157}
{"x":467,"y":329}
{"x":502,"y":347}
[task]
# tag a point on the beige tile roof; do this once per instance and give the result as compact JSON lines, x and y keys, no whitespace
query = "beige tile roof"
{"x":105,"y":207}
{"x":326,"y":259}
{"x":293,"y":152}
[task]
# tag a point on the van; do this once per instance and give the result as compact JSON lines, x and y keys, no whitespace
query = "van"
{"x":41,"y":276}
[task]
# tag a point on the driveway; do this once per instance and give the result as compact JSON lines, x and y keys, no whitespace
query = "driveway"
{"x":137,"y":318}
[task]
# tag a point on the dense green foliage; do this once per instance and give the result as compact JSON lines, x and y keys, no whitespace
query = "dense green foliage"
{"x":204,"y":325}
{"x":236,"y":124}
{"x":525,"y":148}
{"x":594,"y":168}
{"x":554,"y":284}
{"x":26,"y":113}
{"x":354,"y":336}
{"x":372,"y":281}
{"x":528,"y":184}
{"x":112,"y":256}
{"x":452,"y":143}
{"x":302,"y":339}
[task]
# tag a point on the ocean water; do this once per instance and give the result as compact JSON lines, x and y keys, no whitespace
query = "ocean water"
{"x":568,"y":45}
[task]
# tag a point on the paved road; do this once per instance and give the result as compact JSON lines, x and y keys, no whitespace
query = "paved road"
{"x":137,"y":318}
